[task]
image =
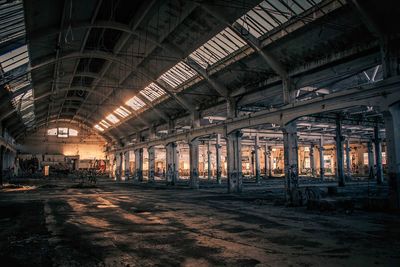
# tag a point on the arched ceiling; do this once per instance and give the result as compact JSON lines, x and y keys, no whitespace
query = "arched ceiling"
{"x":122,"y":66}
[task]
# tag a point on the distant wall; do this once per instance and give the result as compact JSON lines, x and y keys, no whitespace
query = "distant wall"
{"x":86,"y":145}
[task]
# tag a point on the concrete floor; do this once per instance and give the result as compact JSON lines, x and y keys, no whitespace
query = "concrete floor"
{"x":121,"y":224}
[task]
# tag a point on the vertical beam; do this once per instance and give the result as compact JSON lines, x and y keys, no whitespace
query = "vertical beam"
{"x":208,"y":161}
{"x":371,"y":173}
{"x":234,"y":152}
{"x":266,"y":161}
{"x":312,"y":160}
{"x":392,"y":125}
{"x":172,"y":163}
{"x":257,"y":158}
{"x":119,"y":166}
{"x":127,"y":169}
{"x":1,"y":164}
{"x":321,"y":158}
{"x":152,"y":163}
{"x":139,"y":164}
{"x":348,"y":165}
{"x":194,"y":163}
{"x":218,"y":158}
{"x":378,"y":155}
{"x":290,"y":148}
{"x":339,"y":152}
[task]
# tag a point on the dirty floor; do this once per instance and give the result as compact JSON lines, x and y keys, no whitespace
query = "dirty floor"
{"x":121,"y":224}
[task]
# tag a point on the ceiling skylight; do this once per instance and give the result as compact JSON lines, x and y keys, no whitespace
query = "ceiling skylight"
{"x":98,"y":127}
{"x":178,"y":74}
{"x":112,"y":118}
{"x":135,"y":103}
{"x":217,"y":48}
{"x":104,"y":124}
{"x":152,"y":92}
{"x":122,"y":112}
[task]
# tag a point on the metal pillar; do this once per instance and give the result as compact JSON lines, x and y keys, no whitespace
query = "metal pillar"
{"x":392,"y":125}
{"x":172,"y":163}
{"x":339,"y":153}
{"x":378,"y":155}
{"x":194,"y":164}
{"x":370,"y":160}
{"x":348,"y":165}
{"x":312,"y":162}
{"x":218,"y":158}
{"x":139,"y":164}
{"x":234,"y":152}
{"x":208,"y":161}
{"x":290,"y":148}
{"x":321,"y":158}
{"x":152,"y":163}
{"x":256,"y":158}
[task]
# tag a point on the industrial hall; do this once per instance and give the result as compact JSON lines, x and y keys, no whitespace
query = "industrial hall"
{"x":199,"y":133}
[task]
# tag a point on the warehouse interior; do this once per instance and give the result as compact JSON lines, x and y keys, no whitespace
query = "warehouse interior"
{"x":199,"y":133}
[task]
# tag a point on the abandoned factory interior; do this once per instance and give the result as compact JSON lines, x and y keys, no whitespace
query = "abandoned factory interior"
{"x":199,"y":133}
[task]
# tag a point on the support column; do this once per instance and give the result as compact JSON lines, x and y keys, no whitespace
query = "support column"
{"x":1,"y":164}
{"x":257,"y":159}
{"x":234,"y":152}
{"x":208,"y":161}
{"x":119,"y":166}
{"x":392,"y":125}
{"x":348,"y":165}
{"x":270,"y":161}
{"x":152,"y":163}
{"x":127,"y":171}
{"x":266,"y":161}
{"x":172,"y":163}
{"x":290,"y":148}
{"x":194,"y":163}
{"x":218,"y":158}
{"x":321,"y":158}
{"x":312,"y":161}
{"x":139,"y":164}
{"x":378,"y":155}
{"x":339,"y":153}
{"x":371,"y":173}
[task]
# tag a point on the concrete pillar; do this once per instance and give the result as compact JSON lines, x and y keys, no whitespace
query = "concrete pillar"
{"x":321,"y":158}
{"x":231,"y":108}
{"x":218,"y":158}
{"x":119,"y":166}
{"x":348,"y":165}
{"x":370,"y":160}
{"x":194,"y":164}
{"x":290,"y":148}
{"x":234,"y":152}
{"x":266,"y":161}
{"x":312,"y":161}
{"x":392,"y":125}
{"x":339,"y":153}
{"x":208,"y":161}
{"x":172,"y":163}
{"x":127,"y":171}
{"x":270,"y":161}
{"x":139,"y":164}
{"x":257,"y":158}
{"x":152,"y":163}
{"x":195,"y":119}
{"x":378,"y":155}
{"x":1,"y":164}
